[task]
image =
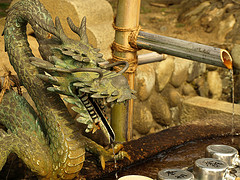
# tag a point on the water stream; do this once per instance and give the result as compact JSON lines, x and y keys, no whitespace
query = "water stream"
{"x":233,"y":123}
{"x":115,"y":160}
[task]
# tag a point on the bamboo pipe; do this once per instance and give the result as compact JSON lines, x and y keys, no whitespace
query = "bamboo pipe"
{"x":150,"y":58}
{"x":127,"y":19}
{"x":185,"y":49}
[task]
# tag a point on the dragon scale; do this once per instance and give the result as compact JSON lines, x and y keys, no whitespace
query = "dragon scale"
{"x":50,"y":142}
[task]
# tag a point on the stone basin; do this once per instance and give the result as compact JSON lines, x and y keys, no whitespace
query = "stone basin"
{"x":176,"y":147}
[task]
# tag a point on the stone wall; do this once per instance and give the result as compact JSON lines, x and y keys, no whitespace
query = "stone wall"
{"x":163,"y":87}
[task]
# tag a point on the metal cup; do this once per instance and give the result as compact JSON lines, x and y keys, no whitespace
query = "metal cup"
{"x":225,"y":153}
{"x":174,"y":174}
{"x":209,"y":169}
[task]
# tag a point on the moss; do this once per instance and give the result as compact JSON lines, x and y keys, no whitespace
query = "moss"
{"x":179,"y":25}
{"x":4,"y":6}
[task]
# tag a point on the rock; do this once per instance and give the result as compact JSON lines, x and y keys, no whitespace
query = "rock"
{"x":193,"y":15}
{"x":180,"y":72}
{"x":164,"y":70}
{"x":198,"y":107}
{"x":157,"y":127}
{"x":212,"y":19}
{"x":201,"y":86}
{"x":175,"y":115}
{"x":225,"y":27}
{"x":172,"y":96}
{"x":195,"y":69}
{"x":211,"y":67}
{"x":145,"y":81}
{"x":236,"y":56}
{"x":143,"y":119}
{"x":188,"y":90}
{"x":160,"y":109}
{"x":215,"y":84}
{"x":99,"y":16}
{"x":136,"y":134}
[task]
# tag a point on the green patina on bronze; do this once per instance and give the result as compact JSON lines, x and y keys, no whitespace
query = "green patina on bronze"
{"x":49,"y":141}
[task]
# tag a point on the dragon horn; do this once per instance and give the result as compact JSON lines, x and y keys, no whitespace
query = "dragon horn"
{"x":81,"y":31}
{"x":60,"y":31}
{"x":56,"y":31}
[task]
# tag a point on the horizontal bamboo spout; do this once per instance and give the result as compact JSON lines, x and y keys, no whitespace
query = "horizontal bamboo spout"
{"x":184,"y":49}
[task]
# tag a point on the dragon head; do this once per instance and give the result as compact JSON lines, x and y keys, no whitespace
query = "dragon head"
{"x":76,"y":69}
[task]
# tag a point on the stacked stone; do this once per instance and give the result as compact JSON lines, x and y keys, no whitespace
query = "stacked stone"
{"x":161,"y":87}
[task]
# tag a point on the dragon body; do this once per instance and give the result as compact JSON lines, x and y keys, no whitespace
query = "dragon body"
{"x":50,"y":141}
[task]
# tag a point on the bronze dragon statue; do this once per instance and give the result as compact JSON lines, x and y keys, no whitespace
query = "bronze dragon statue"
{"x":50,"y":141}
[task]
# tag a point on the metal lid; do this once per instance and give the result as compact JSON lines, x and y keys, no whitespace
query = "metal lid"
{"x":222,"y":152}
{"x":209,"y":169}
{"x":173,"y":174}
{"x":134,"y":177}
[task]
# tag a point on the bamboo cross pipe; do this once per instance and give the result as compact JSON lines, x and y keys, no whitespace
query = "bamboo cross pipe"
{"x":184,"y":49}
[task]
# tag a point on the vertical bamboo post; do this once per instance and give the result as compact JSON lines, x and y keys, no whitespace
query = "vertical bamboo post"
{"x":127,"y":21}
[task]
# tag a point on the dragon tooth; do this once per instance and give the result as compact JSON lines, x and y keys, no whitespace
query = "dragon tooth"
{"x":91,"y":112}
{"x":94,"y":116}
{"x":88,"y":105}
{"x":84,"y":98}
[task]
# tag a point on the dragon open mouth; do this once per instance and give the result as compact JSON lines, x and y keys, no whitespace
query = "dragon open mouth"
{"x":96,"y":111}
